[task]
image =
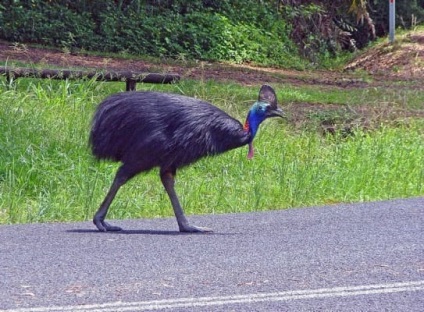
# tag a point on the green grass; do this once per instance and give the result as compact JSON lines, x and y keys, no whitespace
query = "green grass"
{"x":398,"y":97}
{"x":47,"y":173}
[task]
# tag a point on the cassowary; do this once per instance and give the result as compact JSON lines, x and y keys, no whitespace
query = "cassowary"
{"x":143,"y":130}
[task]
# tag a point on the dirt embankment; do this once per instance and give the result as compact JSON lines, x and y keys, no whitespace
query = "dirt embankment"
{"x":403,"y":60}
{"x":385,"y":63}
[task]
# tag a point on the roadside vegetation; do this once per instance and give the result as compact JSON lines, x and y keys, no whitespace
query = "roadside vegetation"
{"x":287,"y":33}
{"x":47,"y":173}
{"x":350,"y":136}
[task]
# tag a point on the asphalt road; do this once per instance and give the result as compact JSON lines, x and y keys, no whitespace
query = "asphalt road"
{"x":359,"y":257}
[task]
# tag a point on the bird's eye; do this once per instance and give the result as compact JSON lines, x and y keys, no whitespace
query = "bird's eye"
{"x":263,"y":108}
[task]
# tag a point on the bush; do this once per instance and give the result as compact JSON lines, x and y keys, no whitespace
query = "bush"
{"x":49,"y":24}
{"x":237,"y":31}
{"x":408,"y":14}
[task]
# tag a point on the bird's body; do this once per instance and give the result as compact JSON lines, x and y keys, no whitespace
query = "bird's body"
{"x":152,"y":129}
{"x":143,"y":130}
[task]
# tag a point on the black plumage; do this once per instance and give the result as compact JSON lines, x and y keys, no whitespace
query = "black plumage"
{"x":143,"y":130}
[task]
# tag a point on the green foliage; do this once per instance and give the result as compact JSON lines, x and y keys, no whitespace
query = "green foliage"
{"x":267,"y":32}
{"x":50,"y":24}
{"x":47,"y":173}
{"x":236,"y":31}
{"x":408,"y":14}
{"x":323,"y":29}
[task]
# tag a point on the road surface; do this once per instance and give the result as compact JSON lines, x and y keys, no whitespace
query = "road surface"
{"x":356,"y":257}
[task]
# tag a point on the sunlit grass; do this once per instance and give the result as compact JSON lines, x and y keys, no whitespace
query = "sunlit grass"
{"x":48,"y":174}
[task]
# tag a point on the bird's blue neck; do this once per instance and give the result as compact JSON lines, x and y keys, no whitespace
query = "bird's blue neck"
{"x":254,"y":118}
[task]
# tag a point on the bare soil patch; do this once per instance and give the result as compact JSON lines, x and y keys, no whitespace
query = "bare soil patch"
{"x":403,"y":60}
{"x":386,"y":64}
{"x":242,"y":74}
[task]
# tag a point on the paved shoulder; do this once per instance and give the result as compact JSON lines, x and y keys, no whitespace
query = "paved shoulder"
{"x":366,"y":256}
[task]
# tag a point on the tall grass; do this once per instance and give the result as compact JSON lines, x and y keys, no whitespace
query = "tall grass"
{"x":48,"y":174}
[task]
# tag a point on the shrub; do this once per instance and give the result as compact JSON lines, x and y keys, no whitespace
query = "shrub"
{"x":49,"y":24}
{"x":236,"y":31}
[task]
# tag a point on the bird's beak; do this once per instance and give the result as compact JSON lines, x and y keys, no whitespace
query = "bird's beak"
{"x":276,"y":112}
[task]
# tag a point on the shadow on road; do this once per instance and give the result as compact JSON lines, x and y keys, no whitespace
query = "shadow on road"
{"x":143,"y":232}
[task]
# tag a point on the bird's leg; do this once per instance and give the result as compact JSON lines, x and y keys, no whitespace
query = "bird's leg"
{"x":99,"y":218}
{"x":168,"y":182}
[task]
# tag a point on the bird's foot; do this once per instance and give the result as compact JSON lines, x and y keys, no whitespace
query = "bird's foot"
{"x":194,"y":229}
{"x":106,"y":227}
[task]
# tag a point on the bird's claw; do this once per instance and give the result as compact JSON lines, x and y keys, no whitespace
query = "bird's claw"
{"x":106,"y":227}
{"x":194,"y":229}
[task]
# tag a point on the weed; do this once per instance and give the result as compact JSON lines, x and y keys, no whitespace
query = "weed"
{"x":47,"y":172}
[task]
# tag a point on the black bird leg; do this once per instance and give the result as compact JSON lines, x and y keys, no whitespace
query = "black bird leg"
{"x":167,"y":178}
{"x":121,"y":177}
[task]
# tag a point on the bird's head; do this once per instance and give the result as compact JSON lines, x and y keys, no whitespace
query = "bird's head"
{"x":265,"y":107}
